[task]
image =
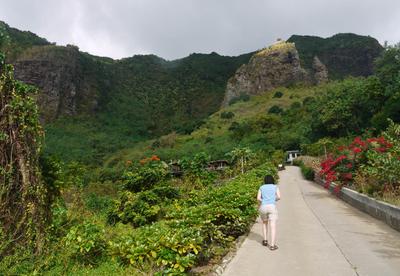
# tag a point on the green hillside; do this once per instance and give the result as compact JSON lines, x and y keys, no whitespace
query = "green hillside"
{"x":217,"y":135}
{"x":287,"y":118}
{"x":116,"y":103}
{"x":140,"y":98}
{"x":344,"y":54}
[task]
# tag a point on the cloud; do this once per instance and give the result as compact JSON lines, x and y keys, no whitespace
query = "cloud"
{"x":176,"y":28}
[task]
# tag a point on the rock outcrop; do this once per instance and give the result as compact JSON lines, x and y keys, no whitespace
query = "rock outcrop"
{"x":57,"y":72}
{"x":343,"y":54}
{"x":277,"y":65}
{"x":320,"y":71}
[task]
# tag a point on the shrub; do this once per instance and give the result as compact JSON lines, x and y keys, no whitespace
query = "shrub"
{"x":242,"y":98}
{"x":278,"y":94}
{"x":156,"y":144}
{"x":195,"y":170}
{"x":308,"y":100}
{"x":374,"y":158}
{"x":295,"y":105}
{"x":86,"y":242}
{"x":189,"y":127}
{"x":150,"y":171}
{"x":307,"y":172}
{"x":208,"y":140}
{"x":275,"y":110}
{"x":141,"y":208}
{"x":97,"y":203}
{"x":227,"y":115}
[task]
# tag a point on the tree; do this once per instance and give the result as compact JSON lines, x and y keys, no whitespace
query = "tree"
{"x":24,"y":209}
{"x":241,"y":155}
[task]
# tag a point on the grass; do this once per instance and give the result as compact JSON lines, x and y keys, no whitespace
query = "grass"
{"x":280,"y":46}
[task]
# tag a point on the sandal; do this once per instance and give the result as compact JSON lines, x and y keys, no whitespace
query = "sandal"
{"x":265,"y":242}
{"x":273,"y":247}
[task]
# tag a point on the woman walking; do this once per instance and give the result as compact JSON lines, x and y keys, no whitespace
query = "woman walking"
{"x":267,"y":196}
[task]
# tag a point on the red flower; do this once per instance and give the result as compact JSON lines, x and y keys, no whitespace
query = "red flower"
{"x":143,"y":161}
{"x":155,"y":158}
{"x":381,"y":149}
{"x":360,"y":142}
{"x":357,"y":150}
{"x":341,"y":148}
{"x":347,"y":176}
{"x":349,"y":165}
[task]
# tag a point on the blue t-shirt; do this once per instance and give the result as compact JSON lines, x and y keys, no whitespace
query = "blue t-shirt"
{"x":268,"y":194}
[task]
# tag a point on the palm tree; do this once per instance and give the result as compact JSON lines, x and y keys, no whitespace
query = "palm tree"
{"x":241,"y":154}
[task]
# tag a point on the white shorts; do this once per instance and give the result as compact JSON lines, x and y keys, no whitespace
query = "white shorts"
{"x":268,"y":212}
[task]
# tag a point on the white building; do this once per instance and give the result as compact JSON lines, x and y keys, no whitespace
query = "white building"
{"x":291,"y":155}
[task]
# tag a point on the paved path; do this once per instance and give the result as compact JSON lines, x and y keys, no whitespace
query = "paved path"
{"x":318,"y":235}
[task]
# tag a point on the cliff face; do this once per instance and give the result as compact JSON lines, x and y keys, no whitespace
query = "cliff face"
{"x":57,"y":72}
{"x":320,"y":71}
{"x":306,"y":59}
{"x":343,"y":54}
{"x":277,"y":65}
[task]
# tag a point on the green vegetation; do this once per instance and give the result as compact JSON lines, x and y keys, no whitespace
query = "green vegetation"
{"x":148,"y":97}
{"x":278,"y":94}
{"x":25,"y":199}
{"x":344,"y":54}
{"x":241,"y":98}
{"x":157,"y":231}
{"x":307,"y":172}
{"x":227,"y":115}
{"x":14,"y":42}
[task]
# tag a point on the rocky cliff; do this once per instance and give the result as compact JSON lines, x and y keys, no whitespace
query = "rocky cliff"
{"x":305,"y":59}
{"x":274,"y":66}
{"x":58,"y":73}
{"x":343,"y":54}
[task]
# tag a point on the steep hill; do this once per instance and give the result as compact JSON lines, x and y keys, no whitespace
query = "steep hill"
{"x":343,"y":54}
{"x":304,"y":60}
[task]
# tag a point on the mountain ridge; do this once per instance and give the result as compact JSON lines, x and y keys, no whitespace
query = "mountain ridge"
{"x":122,"y":101}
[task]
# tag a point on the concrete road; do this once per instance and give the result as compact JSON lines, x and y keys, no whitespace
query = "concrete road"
{"x":318,"y":235}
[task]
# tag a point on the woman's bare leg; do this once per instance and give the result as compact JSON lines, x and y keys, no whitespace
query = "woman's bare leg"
{"x":272,"y":232}
{"x":265,"y":229}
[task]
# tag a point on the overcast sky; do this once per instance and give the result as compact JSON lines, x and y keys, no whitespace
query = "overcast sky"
{"x":175,"y":28}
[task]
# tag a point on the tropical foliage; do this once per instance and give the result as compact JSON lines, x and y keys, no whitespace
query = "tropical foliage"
{"x":24,"y":199}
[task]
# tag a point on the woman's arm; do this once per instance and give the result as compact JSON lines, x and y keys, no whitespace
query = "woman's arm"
{"x":259,"y":199}
{"x":278,"y":194}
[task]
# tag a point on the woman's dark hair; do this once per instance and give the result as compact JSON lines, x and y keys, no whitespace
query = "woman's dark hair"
{"x":268,"y":179}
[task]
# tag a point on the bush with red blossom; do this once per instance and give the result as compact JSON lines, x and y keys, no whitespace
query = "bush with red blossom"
{"x":342,"y":168}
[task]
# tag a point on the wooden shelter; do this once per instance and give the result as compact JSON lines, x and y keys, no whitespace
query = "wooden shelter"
{"x":217,"y":165}
{"x":175,"y":168}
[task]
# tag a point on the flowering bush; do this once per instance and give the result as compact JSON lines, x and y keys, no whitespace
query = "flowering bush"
{"x":145,"y":175}
{"x":353,"y":157}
